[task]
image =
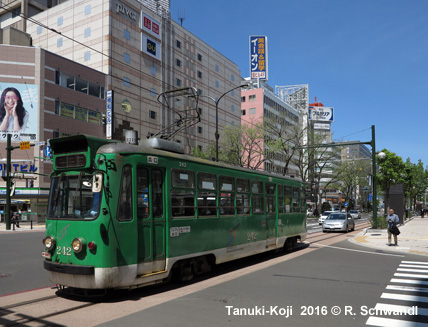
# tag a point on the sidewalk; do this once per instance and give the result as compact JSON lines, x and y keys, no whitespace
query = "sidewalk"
{"x":24,"y":226}
{"x":413,"y":238}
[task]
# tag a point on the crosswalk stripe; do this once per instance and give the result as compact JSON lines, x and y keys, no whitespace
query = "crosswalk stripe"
{"x":388,"y":322}
{"x":411,"y":275}
{"x":407,"y":288}
{"x":413,"y":270}
{"x":400,"y":308}
{"x":414,"y":266}
{"x":408,"y":281}
{"x":404,"y":297}
{"x":415,"y":262}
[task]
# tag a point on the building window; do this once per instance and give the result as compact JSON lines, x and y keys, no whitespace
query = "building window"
{"x":60,"y":21}
{"x":57,"y":107}
{"x":243,"y":112}
{"x":178,"y":63}
{"x":152,"y":92}
{"x":242,"y":99}
{"x":178,"y":44}
{"x":87,"y":56}
{"x":199,"y":74}
{"x":199,"y":129}
{"x":252,"y":97}
{"x":200,"y":111}
{"x":39,"y":29}
{"x":232,"y":77}
{"x":233,"y":108}
{"x":200,"y":147}
{"x":152,"y":114}
{"x":153,"y":70}
{"x":178,"y":82}
{"x":252,"y":111}
{"x":59,"y":42}
{"x":126,"y":82}
{"x":87,"y":9}
{"x":217,"y":84}
{"x":126,"y":58}
{"x":232,"y":93}
{"x":199,"y":57}
{"x":232,"y":123}
{"x":199,"y":91}
{"x":216,"y":68}
{"x":126,"y":34}
{"x":88,"y":32}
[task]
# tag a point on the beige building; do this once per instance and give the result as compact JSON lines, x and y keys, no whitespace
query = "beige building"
{"x":61,"y":98}
{"x":143,"y":53}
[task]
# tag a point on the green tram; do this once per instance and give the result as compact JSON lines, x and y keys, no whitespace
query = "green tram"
{"x":124,"y":216}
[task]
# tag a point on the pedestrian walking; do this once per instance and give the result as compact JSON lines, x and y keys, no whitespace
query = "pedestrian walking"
{"x":15,"y":220}
{"x":392,"y":220}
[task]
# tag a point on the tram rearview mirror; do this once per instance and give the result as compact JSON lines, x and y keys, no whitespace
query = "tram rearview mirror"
{"x":97,"y":182}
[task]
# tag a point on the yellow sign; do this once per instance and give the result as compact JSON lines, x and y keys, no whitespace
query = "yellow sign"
{"x":24,"y":145}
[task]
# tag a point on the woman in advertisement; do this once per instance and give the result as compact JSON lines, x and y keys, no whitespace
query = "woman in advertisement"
{"x":13,"y":116}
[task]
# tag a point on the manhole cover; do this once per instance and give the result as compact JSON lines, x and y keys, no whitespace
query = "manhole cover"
{"x":3,"y":275}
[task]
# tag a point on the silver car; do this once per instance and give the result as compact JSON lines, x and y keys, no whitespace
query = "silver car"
{"x":355,"y":214}
{"x":342,"y":222}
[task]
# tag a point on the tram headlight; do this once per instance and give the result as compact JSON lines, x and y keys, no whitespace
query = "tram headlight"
{"x":49,"y":242}
{"x":78,"y":244}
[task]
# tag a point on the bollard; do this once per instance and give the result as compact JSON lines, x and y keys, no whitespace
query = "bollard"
{"x":31,"y":224}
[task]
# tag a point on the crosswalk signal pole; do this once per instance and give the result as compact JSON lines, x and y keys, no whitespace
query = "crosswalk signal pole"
{"x":8,"y":180}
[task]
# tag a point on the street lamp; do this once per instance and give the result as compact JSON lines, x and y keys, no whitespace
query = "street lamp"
{"x":217,"y":136}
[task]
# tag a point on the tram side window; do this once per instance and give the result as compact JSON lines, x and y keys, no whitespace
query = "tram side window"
{"x":302,"y":200}
{"x":270,"y":198}
{"x":157,"y":186}
{"x":243,"y":196}
{"x":125,"y":196}
{"x":142,"y":193}
{"x":207,"y":194}
{"x":257,"y":197}
{"x":183,"y":193}
{"x":288,"y":192}
{"x":281,"y":199}
{"x":227,"y":193}
{"x":296,"y":200}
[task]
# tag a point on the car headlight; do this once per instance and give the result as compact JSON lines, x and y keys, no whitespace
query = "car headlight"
{"x":49,"y":242}
{"x":78,"y":244}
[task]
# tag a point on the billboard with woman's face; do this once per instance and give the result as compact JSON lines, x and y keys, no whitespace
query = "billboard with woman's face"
{"x":19,"y":111}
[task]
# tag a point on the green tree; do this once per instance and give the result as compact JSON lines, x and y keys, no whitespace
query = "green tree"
{"x":392,"y":171}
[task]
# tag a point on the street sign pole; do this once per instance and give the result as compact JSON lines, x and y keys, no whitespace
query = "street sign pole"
{"x":8,"y":180}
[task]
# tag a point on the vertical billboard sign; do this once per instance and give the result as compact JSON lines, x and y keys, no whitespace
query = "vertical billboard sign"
{"x":258,"y":57}
{"x":109,"y":115}
{"x":152,"y":33}
{"x":19,"y":111}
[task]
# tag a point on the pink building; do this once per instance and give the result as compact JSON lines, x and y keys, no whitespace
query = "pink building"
{"x":257,"y":104}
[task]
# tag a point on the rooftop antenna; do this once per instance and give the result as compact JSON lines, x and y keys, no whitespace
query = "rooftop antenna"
{"x":181,"y":16}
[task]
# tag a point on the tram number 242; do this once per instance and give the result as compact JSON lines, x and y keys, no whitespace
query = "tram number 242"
{"x":63,"y":250}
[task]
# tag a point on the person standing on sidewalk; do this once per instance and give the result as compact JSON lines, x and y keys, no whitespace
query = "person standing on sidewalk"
{"x":392,"y":219}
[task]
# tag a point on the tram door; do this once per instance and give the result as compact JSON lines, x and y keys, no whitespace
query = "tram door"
{"x":151,"y":219}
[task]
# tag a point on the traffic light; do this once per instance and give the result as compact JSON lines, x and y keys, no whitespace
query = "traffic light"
{"x":103,"y":119}
{"x":31,"y":183}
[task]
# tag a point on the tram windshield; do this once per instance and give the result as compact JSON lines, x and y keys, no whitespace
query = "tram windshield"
{"x":75,"y":196}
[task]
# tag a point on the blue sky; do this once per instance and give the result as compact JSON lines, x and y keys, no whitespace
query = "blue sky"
{"x":366,"y":58}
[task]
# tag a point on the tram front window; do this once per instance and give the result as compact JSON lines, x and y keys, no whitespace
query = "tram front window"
{"x":74,"y":197}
